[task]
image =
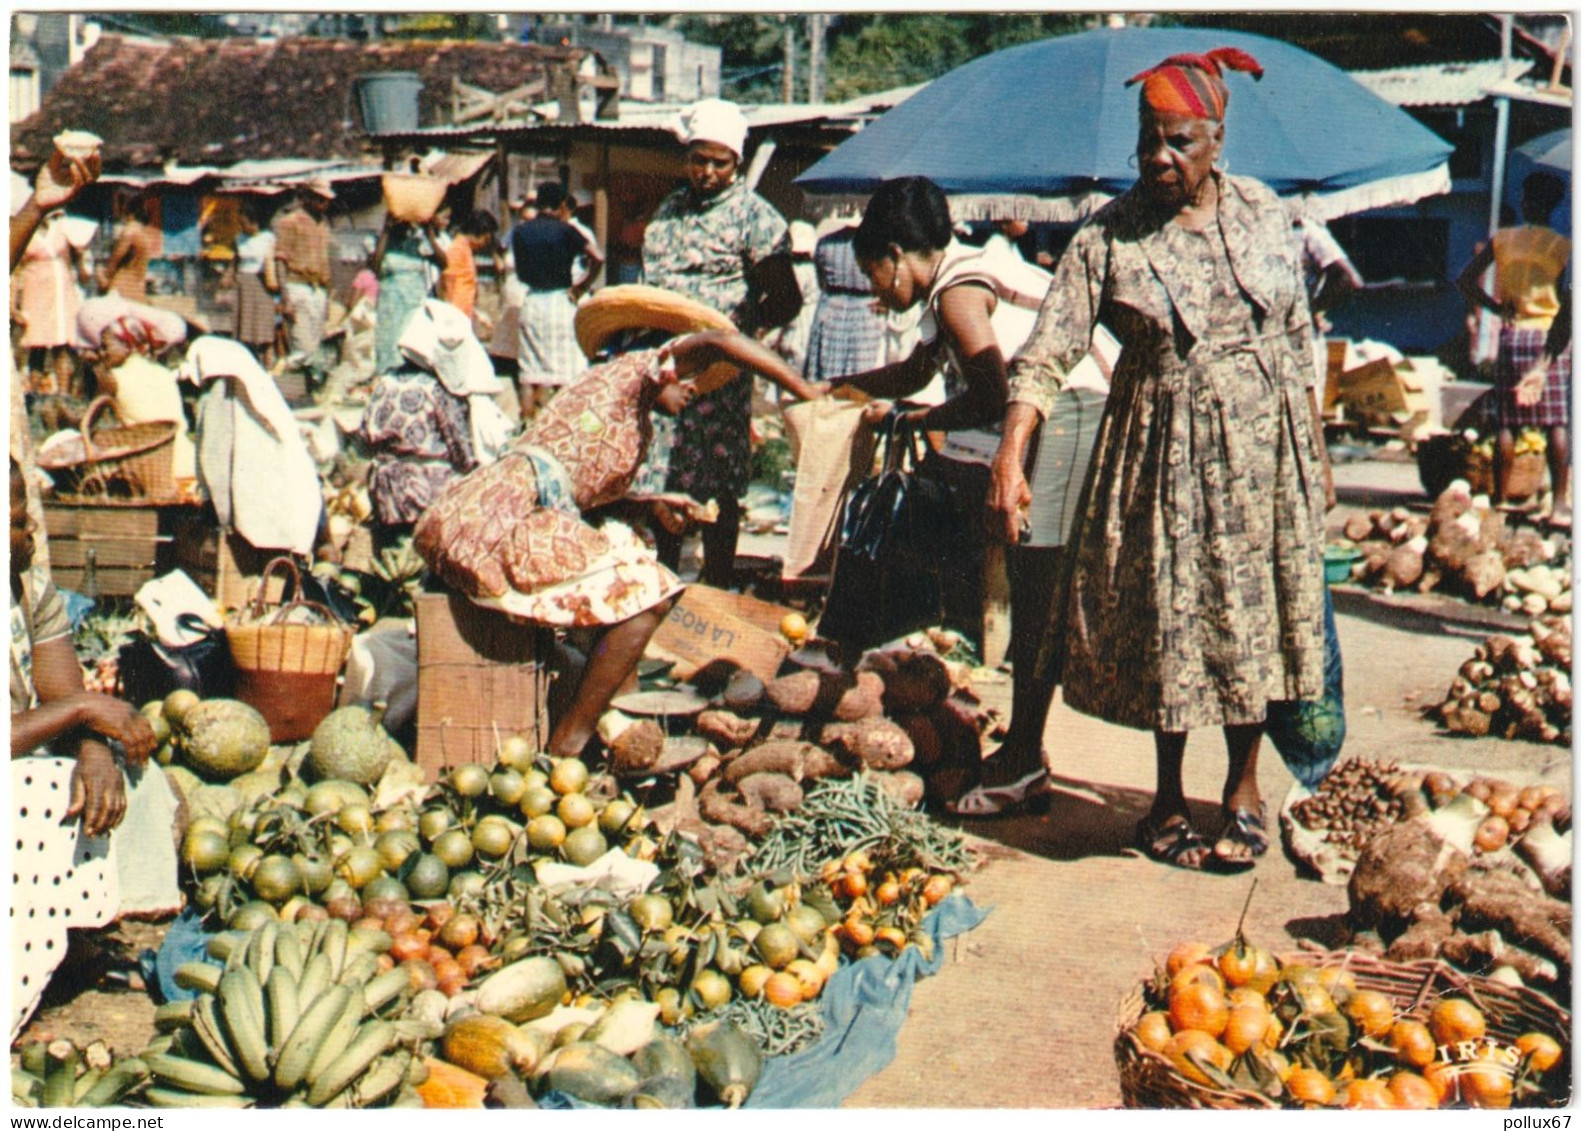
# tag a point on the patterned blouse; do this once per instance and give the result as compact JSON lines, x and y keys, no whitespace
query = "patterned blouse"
{"x":420,"y":438}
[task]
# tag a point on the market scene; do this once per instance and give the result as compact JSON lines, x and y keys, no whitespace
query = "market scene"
{"x":673,"y":561}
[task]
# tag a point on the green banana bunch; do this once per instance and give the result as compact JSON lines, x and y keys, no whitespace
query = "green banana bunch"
{"x":59,"y":1074}
{"x":294,"y":1016}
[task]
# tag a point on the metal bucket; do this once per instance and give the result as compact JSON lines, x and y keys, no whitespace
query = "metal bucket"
{"x":388,"y":100}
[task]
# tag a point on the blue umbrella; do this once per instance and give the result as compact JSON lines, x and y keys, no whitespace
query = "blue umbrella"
{"x":1054,"y":119}
{"x":1549,"y":153}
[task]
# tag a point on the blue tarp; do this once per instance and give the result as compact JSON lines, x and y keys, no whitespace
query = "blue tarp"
{"x":1055,"y":118}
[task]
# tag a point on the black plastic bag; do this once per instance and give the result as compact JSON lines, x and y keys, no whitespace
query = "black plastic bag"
{"x":150,"y":669}
{"x":887,"y":571}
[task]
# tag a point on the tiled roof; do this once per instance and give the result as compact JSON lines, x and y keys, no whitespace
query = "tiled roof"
{"x":218,"y":101}
{"x":1438,"y":84}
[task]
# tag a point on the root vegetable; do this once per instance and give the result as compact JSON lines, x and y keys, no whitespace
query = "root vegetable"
{"x":864,"y":700}
{"x":1481,"y":952}
{"x":1550,"y":854}
{"x":1403,"y":567}
{"x":726,"y":729}
{"x":744,"y":692}
{"x":920,"y":680}
{"x":704,"y":768}
{"x":1358,"y":528}
{"x":722,"y":810}
{"x":775,"y":792}
{"x":1401,"y":867}
{"x":636,"y":749}
{"x":794,"y":694}
{"x":902,"y":785}
{"x":878,"y":743}
{"x":1483,"y":573}
{"x":1500,"y":901}
{"x":1429,"y":927}
{"x":722,"y":846}
{"x":796,"y":760}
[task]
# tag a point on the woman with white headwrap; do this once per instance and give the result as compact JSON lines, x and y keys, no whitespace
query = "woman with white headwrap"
{"x":702,"y":241}
{"x":425,"y":422}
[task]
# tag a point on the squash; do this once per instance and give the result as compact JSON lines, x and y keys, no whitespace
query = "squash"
{"x":351,"y":744}
{"x":451,"y":1086}
{"x":492,"y":1046}
{"x":523,"y":991}
{"x":669,"y":1079}
{"x":592,"y":1074}
{"x":726,"y":1059}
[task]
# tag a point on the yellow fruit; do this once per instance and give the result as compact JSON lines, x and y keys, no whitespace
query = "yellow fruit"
{"x":204,"y":850}
{"x":1337,"y":981}
{"x":793,"y":627}
{"x":1275,"y":1031}
{"x":492,"y":837}
{"x":454,"y":847}
{"x":1455,"y":1019}
{"x":1487,"y":1083}
{"x":1194,"y":1044}
{"x":753,"y":979}
{"x":1198,"y":1005}
{"x":1412,"y":1092}
{"x":777,"y":945}
{"x":1541,"y":1050}
{"x":1372,"y":1012}
{"x":576,"y":810}
{"x":1412,"y":1043}
{"x":1309,"y":1086}
{"x":618,"y":816}
{"x":1247,"y":1025}
{"x":807,"y":974}
{"x":1442,"y":1077}
{"x":1206,"y":974}
{"x":507,"y":786}
{"x":1279,"y":1063}
{"x":1248,"y":966}
{"x":545,"y":832}
{"x":712,"y":988}
{"x":1245,"y":995}
{"x":584,"y":845}
{"x":652,"y":912}
{"x":783,"y":989}
{"x":1367,"y":1095}
{"x":537,"y":800}
{"x":1153,"y":1030}
{"x":1187,"y":954}
{"x":469,"y":780}
{"x":569,"y":775}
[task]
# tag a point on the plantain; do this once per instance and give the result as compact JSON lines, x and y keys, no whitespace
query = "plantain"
{"x":193,"y":1075}
{"x":281,"y":1006}
{"x":359,"y":968}
{"x":386,"y":1074}
{"x":200,"y":977}
{"x":219,"y":946}
{"x":176,"y":1097}
{"x":260,"y":951}
{"x":317,"y":977}
{"x":369,"y":1042}
{"x":173,"y":1015}
{"x":26,"y":1089}
{"x":340,"y":1033}
{"x":118,"y":1082}
{"x":206,"y":1024}
{"x":61,"y":1060}
{"x":385,"y":988}
{"x":241,"y":1015}
{"x":301,"y":1047}
{"x":333,"y":945}
{"x":81,"y":1085}
{"x":288,"y":952}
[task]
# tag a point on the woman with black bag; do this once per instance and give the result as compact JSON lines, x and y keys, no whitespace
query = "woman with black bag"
{"x":979,"y":306}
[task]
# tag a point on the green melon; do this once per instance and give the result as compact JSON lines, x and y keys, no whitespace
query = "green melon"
{"x":223,"y":739}
{"x":351,"y":745}
{"x":218,"y":801}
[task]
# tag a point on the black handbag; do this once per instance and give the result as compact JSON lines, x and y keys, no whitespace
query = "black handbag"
{"x":887,"y":572}
{"x":150,"y":669}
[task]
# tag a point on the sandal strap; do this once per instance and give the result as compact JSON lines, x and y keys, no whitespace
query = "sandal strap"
{"x":1168,"y":840}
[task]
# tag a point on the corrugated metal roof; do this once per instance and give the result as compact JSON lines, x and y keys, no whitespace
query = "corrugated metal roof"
{"x":1438,"y":84}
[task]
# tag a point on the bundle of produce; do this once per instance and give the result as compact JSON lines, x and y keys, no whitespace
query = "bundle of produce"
{"x":299,"y":1015}
{"x":1449,"y":885}
{"x":59,"y":1074}
{"x":1514,"y":686}
{"x":1234,"y":1027}
{"x":1463,"y":546}
{"x":98,"y":639}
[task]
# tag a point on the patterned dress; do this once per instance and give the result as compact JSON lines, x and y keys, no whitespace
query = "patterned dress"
{"x":47,"y":287}
{"x":703,"y":248}
{"x":403,"y":285}
{"x":1196,"y":586}
{"x":847,"y":333}
{"x":511,"y":535}
{"x":1528,"y":262}
{"x":420,"y":438}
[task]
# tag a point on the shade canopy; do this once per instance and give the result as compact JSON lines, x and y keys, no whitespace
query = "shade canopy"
{"x":1549,"y":153}
{"x":1047,"y":130}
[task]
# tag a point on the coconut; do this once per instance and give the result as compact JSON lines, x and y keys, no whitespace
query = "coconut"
{"x":351,"y":744}
{"x":223,"y":739}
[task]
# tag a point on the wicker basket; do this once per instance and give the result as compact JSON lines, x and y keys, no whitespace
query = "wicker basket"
{"x":413,"y":197}
{"x":131,"y":461}
{"x":287,"y":671}
{"x":1149,"y":1080}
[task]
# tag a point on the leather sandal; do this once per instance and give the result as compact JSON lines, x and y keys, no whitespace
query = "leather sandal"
{"x":1168,"y":840}
{"x":1003,"y":800}
{"x":1247,"y":829}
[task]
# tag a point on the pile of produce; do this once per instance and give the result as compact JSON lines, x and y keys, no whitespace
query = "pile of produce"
{"x":617,"y":937}
{"x":1322,"y":1031}
{"x":1515,"y":686}
{"x":97,"y":639}
{"x":59,"y":1074}
{"x":1463,"y":546}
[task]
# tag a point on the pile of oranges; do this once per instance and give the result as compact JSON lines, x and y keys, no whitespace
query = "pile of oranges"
{"x":1235,"y":1018}
{"x":881,"y":911}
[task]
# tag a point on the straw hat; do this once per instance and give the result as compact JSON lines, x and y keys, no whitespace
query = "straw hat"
{"x":635,"y":306}
{"x":319,"y":186}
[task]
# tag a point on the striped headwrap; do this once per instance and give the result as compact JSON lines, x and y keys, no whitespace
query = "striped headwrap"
{"x":1193,"y":85}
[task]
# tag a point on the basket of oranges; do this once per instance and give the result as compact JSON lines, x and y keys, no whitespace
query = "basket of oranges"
{"x":1235,"y":1027}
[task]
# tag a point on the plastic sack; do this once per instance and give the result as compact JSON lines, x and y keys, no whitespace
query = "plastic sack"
{"x":1309,"y":733}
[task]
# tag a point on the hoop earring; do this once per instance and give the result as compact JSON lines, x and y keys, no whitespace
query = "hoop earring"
{"x":1131,"y":162}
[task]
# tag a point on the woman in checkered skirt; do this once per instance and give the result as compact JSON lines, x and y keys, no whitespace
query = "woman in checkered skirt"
{"x":1528,"y":261}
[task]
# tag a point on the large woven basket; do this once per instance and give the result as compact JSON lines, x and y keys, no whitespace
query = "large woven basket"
{"x":287,"y":669}
{"x":130,"y":461}
{"x":413,"y":197}
{"x":1149,"y":1080}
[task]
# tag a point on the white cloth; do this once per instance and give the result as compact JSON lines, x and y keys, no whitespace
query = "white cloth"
{"x":252,"y":459}
{"x":166,"y":327}
{"x":715,"y":120}
{"x":253,"y":251}
{"x":382,"y":668}
{"x":439,"y":338}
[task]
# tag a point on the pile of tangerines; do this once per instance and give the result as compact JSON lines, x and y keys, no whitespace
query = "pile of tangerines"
{"x":1235,"y":1018}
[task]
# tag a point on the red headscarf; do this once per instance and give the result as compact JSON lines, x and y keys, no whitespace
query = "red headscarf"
{"x":1193,"y":85}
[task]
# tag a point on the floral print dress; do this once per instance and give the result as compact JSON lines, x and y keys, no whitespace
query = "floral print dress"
{"x":1195,"y":567}
{"x":703,"y":248}
{"x":511,"y":536}
{"x":420,"y":438}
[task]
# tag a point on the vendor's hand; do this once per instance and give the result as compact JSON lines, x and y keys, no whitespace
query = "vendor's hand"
{"x":1529,"y":391}
{"x":669,"y":518}
{"x":98,"y":794}
{"x":59,"y":181}
{"x":874,"y":412}
{"x":1009,"y":496}
{"x":1506,"y":309}
{"x":114,"y":718}
{"x":676,"y":396}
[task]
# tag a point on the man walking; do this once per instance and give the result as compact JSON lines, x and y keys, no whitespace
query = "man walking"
{"x":546,"y":249}
{"x":302,"y":266}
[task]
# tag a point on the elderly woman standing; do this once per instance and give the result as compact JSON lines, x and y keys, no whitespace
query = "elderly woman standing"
{"x":1196,"y":576}
{"x":702,"y":241}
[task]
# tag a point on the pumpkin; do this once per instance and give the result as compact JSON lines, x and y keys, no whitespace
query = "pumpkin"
{"x":450,"y":1086}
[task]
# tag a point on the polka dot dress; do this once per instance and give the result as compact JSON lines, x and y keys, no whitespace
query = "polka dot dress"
{"x":59,"y":878}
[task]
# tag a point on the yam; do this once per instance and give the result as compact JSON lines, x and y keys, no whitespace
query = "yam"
{"x":726,"y":729}
{"x":713,"y":677}
{"x":1401,"y":867}
{"x":1430,"y":926}
{"x":1452,"y":502}
{"x":796,"y":760}
{"x":722,"y":810}
{"x":1358,"y":528}
{"x":1495,"y":900}
{"x":862,"y":701}
{"x":1403,"y":567}
{"x":927,"y":746}
{"x":680,"y":814}
{"x":744,"y":692}
{"x":879,"y":743}
{"x":903,"y":786}
{"x":722,"y":846}
{"x":1523,"y":549}
{"x":1481,"y":952}
{"x":636,"y":749}
{"x":1483,"y":573}
{"x":776,"y":793}
{"x":785,"y":730}
{"x":704,"y":768}
{"x":809,"y":692}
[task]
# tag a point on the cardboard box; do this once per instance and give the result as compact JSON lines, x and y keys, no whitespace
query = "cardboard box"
{"x":1372,"y":393}
{"x":709,"y":624}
